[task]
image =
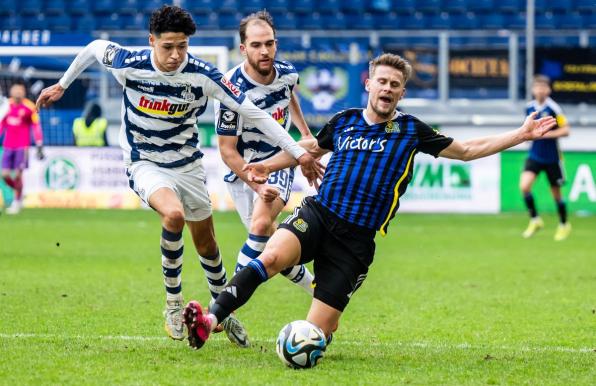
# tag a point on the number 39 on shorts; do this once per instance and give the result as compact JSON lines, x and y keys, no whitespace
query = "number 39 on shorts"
{"x":280,"y":178}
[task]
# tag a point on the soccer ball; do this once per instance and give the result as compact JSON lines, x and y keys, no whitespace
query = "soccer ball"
{"x":300,"y":344}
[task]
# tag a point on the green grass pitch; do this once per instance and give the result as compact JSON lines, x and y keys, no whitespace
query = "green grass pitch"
{"x":450,"y":299}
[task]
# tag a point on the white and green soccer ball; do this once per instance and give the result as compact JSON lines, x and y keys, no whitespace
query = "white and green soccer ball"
{"x":300,"y":344}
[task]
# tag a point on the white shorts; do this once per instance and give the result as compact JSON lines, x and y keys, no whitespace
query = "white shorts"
{"x":244,"y":197}
{"x":190,"y":186}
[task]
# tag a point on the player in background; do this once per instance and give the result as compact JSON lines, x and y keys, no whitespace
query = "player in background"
{"x":370,"y":167}
{"x":545,"y":156}
{"x":269,"y":84}
{"x":165,"y":89}
{"x":20,"y":120}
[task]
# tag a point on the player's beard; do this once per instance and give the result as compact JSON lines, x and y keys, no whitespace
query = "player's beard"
{"x":262,"y":71}
{"x":383,"y":114}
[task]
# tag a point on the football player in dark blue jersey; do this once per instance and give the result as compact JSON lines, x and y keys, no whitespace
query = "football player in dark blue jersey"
{"x":370,"y":166}
{"x":545,"y":156}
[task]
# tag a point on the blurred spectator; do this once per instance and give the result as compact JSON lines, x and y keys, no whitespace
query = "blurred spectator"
{"x":90,"y":129}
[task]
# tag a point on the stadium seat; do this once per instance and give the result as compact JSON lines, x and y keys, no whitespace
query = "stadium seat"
{"x":562,"y":5}
{"x":354,"y":6}
{"x":230,"y":21}
{"x":360,"y":21}
{"x":405,"y":6}
{"x":515,"y":20}
{"x":7,"y":7}
{"x":84,"y":23}
{"x":138,"y":22}
{"x":103,"y":7}
{"x":572,"y":20}
{"x":250,"y":6}
{"x":127,"y":7}
{"x":10,"y":22}
{"x":30,"y":7}
{"x":309,"y":21}
{"x":466,"y":20}
{"x":78,"y":7}
{"x":480,"y":5}
{"x":540,"y":6}
{"x":55,"y":7}
{"x":439,"y":21}
{"x":109,"y":22}
{"x":333,"y":20}
{"x":590,"y":22}
{"x":228,"y":6}
{"x":148,"y":6}
{"x":545,"y":21}
{"x":429,"y":6}
{"x":303,"y":6}
{"x":284,"y":20}
{"x":491,"y":20}
{"x":511,"y":5}
{"x":202,"y":6}
{"x":59,"y":23}
{"x":328,"y":6}
{"x":35,"y":22}
{"x":455,"y":6}
{"x":206,"y":21}
{"x":412,"y":22}
{"x":585,"y":5}
{"x":387,"y":21}
{"x":279,"y":6}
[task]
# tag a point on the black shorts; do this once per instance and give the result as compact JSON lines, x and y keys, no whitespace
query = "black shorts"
{"x":342,"y":252}
{"x":553,"y":171}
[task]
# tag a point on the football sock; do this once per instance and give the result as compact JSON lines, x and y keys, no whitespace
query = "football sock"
{"x":215,"y":273}
{"x":529,"y":200}
{"x":562,"y":209}
{"x":10,"y":182}
{"x":18,"y":190}
{"x":300,"y":275}
{"x":172,"y":247}
{"x":251,"y":249}
{"x":239,"y":289}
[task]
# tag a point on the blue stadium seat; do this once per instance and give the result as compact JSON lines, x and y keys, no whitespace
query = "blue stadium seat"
{"x":250,"y":6}
{"x":557,"y":40}
{"x":429,"y":6}
{"x":228,"y":6}
{"x":303,"y":6}
{"x":148,"y":6}
{"x":480,"y":5}
{"x":206,"y":21}
{"x":309,"y":21}
{"x":354,"y":6}
{"x":333,"y":20}
{"x":230,"y":21}
{"x":415,"y":21}
{"x":7,"y":7}
{"x":55,"y":7}
{"x":103,"y":7}
{"x":201,"y":6}
{"x":511,"y":6}
{"x":492,"y":20}
{"x":572,"y":20}
{"x":439,"y":21}
{"x":328,"y":6}
{"x":109,"y":22}
{"x":540,"y":6}
{"x":35,"y":22}
{"x":279,"y":6}
{"x":138,"y":22}
{"x":360,"y":21}
{"x":585,"y":5}
{"x":30,"y":7}
{"x":405,"y":6}
{"x":545,"y":21}
{"x":515,"y":20}
{"x":10,"y":22}
{"x":455,"y":6}
{"x":590,"y":21}
{"x":127,"y":7}
{"x":284,"y":20}
{"x":59,"y":23}
{"x":562,"y":5}
{"x":466,"y":20}
{"x":387,"y":21}
{"x":84,"y":23}
{"x":78,"y":7}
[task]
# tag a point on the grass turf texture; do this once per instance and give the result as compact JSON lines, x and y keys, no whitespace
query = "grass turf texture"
{"x":449,"y":300}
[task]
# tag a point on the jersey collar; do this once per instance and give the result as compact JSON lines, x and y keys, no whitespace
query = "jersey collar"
{"x":371,"y":123}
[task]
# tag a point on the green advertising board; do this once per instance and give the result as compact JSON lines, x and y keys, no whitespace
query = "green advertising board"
{"x":579,"y":190}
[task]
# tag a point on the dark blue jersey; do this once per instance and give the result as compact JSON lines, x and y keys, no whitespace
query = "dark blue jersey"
{"x":372,"y":164}
{"x":546,"y":151}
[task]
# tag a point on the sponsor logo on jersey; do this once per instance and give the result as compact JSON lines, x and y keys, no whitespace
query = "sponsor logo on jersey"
{"x":109,"y":55}
{"x":301,"y":225}
{"x":230,"y":86}
{"x":227,"y":120}
{"x":162,"y":107}
{"x":375,"y":145}
{"x":279,"y":115}
{"x":147,"y":88}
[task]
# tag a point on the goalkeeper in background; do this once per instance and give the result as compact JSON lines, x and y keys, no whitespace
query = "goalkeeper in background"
{"x":545,"y":156}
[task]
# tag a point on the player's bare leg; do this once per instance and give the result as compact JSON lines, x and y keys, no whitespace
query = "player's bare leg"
{"x":282,"y":251}
{"x":203,"y":236}
{"x":165,"y":202}
{"x":324,"y":316}
{"x":16,"y":183}
{"x":526,"y":181}
{"x":564,"y":227}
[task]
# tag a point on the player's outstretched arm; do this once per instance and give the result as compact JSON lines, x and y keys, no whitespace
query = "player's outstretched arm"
{"x":96,"y":50}
{"x":482,"y":147}
{"x":259,"y":172}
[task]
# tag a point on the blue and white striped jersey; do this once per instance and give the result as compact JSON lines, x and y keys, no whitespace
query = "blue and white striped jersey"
{"x":273,"y":98}
{"x":160,"y":110}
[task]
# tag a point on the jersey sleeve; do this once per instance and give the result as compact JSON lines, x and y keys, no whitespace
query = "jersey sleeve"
{"x":430,"y":140}
{"x":325,"y":136}
{"x":559,"y":116}
{"x":227,"y":122}
{"x":219,"y":87}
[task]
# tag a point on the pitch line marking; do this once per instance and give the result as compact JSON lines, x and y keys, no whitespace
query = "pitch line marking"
{"x":425,"y":345}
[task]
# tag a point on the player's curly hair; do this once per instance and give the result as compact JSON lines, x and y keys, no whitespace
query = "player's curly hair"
{"x":170,"y":18}
{"x":261,"y":16}
{"x":391,"y":60}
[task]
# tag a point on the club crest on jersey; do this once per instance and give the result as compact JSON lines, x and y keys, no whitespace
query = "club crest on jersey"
{"x":109,"y":55}
{"x":392,"y":127}
{"x":187,"y":94}
{"x":162,"y":107}
{"x":301,"y":225}
{"x":230,"y":86}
